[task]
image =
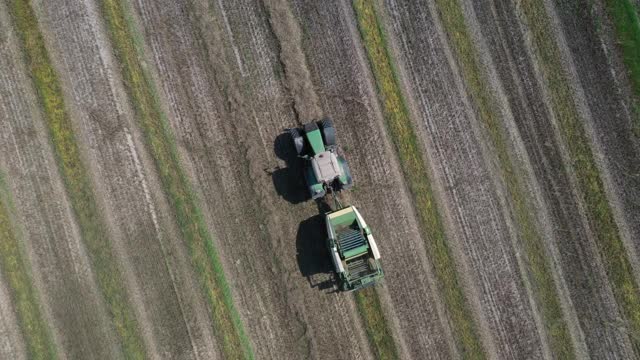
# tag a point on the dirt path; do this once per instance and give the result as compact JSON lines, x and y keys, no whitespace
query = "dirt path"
{"x":60,"y":265}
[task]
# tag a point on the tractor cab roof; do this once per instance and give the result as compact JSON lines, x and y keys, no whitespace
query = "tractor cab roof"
{"x":325,"y":166}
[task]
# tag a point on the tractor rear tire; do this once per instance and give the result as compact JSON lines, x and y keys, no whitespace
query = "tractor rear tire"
{"x":298,"y":140}
{"x":328,"y":132}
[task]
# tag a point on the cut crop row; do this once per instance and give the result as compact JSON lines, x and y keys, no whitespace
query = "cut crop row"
{"x":15,"y":269}
{"x":541,"y":275}
{"x":76,"y":179}
{"x":590,"y":184}
{"x":159,"y":139}
{"x":625,"y":20}
{"x":413,"y":166}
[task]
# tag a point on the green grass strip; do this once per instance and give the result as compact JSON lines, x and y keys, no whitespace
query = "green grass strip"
{"x":599,"y":213}
{"x":76,"y":179}
{"x":541,"y":276}
{"x":624,"y":16}
{"x":17,"y":273}
{"x":154,"y":124}
{"x":413,"y":166}
{"x":375,"y":324}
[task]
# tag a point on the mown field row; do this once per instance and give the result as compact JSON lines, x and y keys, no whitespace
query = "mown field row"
{"x":140,"y":87}
{"x":625,"y":20}
{"x":414,"y":169}
{"x":376,"y":326}
{"x":17,"y":272}
{"x":541,"y":274}
{"x":591,"y":187}
{"x":76,"y":179}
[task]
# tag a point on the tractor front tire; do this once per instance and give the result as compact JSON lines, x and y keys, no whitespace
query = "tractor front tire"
{"x":298,"y":140}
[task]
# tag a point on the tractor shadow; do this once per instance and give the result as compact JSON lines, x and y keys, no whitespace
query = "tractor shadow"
{"x":312,"y":253}
{"x":288,"y":181}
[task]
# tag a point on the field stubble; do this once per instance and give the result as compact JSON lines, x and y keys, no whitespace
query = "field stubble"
{"x":58,"y":259}
{"x":125,"y":181}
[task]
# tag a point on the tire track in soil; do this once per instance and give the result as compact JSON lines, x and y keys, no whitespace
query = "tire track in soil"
{"x":483,"y":226}
{"x":105,"y":126}
{"x":340,"y":73}
{"x":60,"y":266}
{"x":589,"y":293}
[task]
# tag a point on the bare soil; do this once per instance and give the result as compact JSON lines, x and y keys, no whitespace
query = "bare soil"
{"x":231,"y":76}
{"x":449,"y":129}
{"x":60,"y":266}
{"x":589,"y":293}
{"x":11,"y":342}
{"x":617,"y":150}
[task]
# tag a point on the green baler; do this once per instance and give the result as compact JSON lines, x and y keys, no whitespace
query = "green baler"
{"x":353,"y":249}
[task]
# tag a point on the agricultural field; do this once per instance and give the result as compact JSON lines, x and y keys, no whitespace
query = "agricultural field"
{"x":152,"y":205}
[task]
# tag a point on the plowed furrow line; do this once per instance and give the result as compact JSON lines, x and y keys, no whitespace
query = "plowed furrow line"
{"x":475,"y":205}
{"x":533,"y":269}
{"x":536,"y":269}
{"x":106,"y":129}
{"x":583,"y":272}
{"x":78,"y":184}
{"x":590,"y":183}
{"x":404,"y":137}
{"x":626,"y":22}
{"x":153,"y":121}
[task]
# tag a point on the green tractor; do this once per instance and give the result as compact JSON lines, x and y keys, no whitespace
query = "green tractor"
{"x":324,"y":169}
{"x":352,"y":247}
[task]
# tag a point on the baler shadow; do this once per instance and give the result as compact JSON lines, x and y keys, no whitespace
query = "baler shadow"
{"x":312,"y":253}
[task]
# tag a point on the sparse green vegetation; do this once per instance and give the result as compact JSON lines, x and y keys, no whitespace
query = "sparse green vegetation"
{"x":76,"y":178}
{"x":590,"y":185}
{"x":376,"y":325}
{"x":624,"y":16}
{"x":536,"y":258}
{"x":413,"y":166}
{"x":154,"y":124}
{"x":16,"y":271}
